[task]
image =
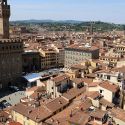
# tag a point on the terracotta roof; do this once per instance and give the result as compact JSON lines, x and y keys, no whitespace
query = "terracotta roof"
{"x":86,"y":104}
{"x":61,"y":117}
{"x":104,"y":102}
{"x":118,"y":113}
{"x":14,"y":123}
{"x":57,"y":104}
{"x":91,"y":75}
{"x":73,"y":93}
{"x":37,"y":114}
{"x":87,"y":81}
{"x":34,"y":95}
{"x":60,"y":78}
{"x":55,"y":121}
{"x":94,"y":123}
{"x":93,"y":94}
{"x":98,"y":114}
{"x":82,"y":47}
{"x":78,"y":66}
{"x":4,"y":113}
{"x":110,"y":87}
{"x":77,"y":80}
{"x":120,"y":69}
{"x":93,"y":84}
{"x":32,"y":89}
{"x":39,"y":91}
{"x":80,"y":118}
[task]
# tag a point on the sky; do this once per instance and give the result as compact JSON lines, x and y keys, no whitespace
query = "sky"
{"x":84,"y":10}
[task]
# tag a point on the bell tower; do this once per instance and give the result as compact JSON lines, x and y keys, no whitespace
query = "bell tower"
{"x":4,"y":19}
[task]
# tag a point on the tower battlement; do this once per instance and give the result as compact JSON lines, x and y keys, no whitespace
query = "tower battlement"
{"x":4,"y":19}
{"x":11,"y":40}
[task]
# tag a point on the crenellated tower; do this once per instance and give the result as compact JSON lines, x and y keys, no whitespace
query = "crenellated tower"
{"x":4,"y":19}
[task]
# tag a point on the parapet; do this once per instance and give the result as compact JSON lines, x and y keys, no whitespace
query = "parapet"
{"x":16,"y":40}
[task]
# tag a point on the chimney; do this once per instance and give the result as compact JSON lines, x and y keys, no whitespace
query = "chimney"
{"x":57,"y":122}
{"x":60,"y":102}
{"x":36,"y":117}
{"x":51,"y":78}
{"x":52,"y":120}
{"x":71,"y":114}
{"x":71,"y":42}
{"x":38,"y":96}
{"x":29,"y":111}
{"x":82,"y":109}
{"x":36,"y":104}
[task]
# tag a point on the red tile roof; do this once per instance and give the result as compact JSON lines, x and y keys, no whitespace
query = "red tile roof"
{"x":110,"y":87}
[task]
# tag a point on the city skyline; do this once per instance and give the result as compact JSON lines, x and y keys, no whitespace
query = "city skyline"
{"x":82,"y":10}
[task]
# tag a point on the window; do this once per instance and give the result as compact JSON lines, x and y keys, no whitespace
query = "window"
{"x":7,"y":47}
{"x":2,"y":47}
{"x":108,"y":77}
{"x":97,"y":75}
{"x":101,"y":91}
{"x":10,"y":47}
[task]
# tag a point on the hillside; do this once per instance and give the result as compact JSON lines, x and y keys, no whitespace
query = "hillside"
{"x":70,"y":25}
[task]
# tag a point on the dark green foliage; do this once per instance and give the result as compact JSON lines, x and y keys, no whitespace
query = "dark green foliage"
{"x":70,"y":25}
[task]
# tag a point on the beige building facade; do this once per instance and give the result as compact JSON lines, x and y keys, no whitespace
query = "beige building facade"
{"x":76,"y":54}
{"x":52,"y":57}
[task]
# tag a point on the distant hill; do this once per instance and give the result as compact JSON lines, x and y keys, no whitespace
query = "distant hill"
{"x":72,"y":25}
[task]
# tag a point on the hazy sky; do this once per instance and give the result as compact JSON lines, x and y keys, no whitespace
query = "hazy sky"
{"x":85,"y":10}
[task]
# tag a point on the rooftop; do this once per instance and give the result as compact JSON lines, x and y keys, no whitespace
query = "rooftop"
{"x":82,"y":47}
{"x":57,"y":104}
{"x":60,"y":78}
{"x":110,"y":87}
{"x":73,"y":93}
{"x":118,"y":113}
{"x":37,"y":114}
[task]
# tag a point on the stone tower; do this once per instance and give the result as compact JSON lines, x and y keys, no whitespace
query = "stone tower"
{"x":4,"y":19}
{"x":10,"y":50}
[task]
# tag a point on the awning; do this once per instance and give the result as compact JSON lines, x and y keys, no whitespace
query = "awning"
{"x":32,"y":77}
